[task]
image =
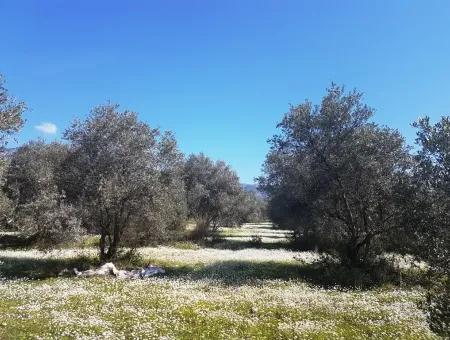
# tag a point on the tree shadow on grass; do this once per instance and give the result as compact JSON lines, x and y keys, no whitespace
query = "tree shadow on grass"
{"x":322,"y":274}
{"x":275,"y":237}
{"x":15,"y":240}
{"x":41,"y":268}
{"x":230,"y":273}
{"x":236,"y":244}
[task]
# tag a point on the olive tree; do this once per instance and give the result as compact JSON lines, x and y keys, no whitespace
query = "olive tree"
{"x":212,"y":192}
{"x":333,"y":175}
{"x":11,"y":112}
{"x":247,"y":207}
{"x":429,"y":214}
{"x":121,"y":175}
{"x":432,"y":174}
{"x":166,"y":217}
{"x":11,"y":121}
{"x":41,"y":210}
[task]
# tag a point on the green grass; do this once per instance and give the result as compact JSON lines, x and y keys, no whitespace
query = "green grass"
{"x":206,"y":293}
{"x":203,"y":309}
{"x":185,"y":245}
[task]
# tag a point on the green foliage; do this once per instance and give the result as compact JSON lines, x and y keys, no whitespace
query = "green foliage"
{"x":332,"y":174}
{"x":125,"y":178}
{"x":7,"y":207}
{"x":49,"y":220}
{"x":429,"y":215}
{"x":34,"y":168}
{"x":10,"y":115}
{"x":437,"y":306}
{"x":341,"y":183}
{"x":11,"y":121}
{"x":213,"y":191}
{"x":185,"y":245}
{"x":85,"y":241}
{"x":215,"y":197}
{"x":32,"y":183}
{"x":248,"y":208}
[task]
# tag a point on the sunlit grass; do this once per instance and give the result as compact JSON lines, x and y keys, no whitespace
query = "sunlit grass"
{"x":207,"y":293}
{"x":188,"y":309}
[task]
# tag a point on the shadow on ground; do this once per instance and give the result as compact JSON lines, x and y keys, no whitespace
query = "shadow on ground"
{"x":239,"y":244}
{"x":230,"y":273}
{"x":322,"y":274}
{"x":15,"y":240}
{"x":274,"y":237}
{"x":37,"y":268}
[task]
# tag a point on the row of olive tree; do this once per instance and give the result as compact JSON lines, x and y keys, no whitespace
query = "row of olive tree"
{"x":11,"y":121}
{"x":215,"y":197}
{"x":429,"y":215}
{"x":118,"y":178}
{"x":335,"y":177}
{"x":354,"y":188}
{"x":115,"y":177}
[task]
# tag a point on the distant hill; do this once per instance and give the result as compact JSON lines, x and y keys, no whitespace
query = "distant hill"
{"x":252,"y":188}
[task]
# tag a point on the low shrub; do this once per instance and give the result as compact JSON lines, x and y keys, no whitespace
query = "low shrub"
{"x":256,"y":240}
{"x":437,"y":307}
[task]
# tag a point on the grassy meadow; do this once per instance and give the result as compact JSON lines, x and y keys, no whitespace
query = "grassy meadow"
{"x":236,"y":286}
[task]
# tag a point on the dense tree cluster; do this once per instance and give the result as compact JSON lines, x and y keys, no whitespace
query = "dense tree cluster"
{"x":125,"y":177}
{"x":432,"y":192}
{"x":11,"y":112}
{"x":33,"y":182}
{"x":348,"y":185}
{"x":334,"y":176}
{"x":430,"y":215}
{"x":117,"y":177}
{"x":351,"y":187}
{"x":11,"y":121}
{"x":215,"y":197}
{"x":213,"y":189}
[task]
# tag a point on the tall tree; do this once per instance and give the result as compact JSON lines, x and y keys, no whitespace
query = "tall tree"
{"x":433,"y":191}
{"x":332,"y":173}
{"x":11,"y":111}
{"x":166,"y":217}
{"x":11,"y":121}
{"x":429,"y":214}
{"x":247,"y":207}
{"x":41,"y":210}
{"x":115,"y":173}
{"x":212,"y":190}
{"x":34,"y":168}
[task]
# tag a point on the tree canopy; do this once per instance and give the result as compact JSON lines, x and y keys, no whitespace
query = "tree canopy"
{"x":121,"y":173}
{"x":332,"y":173}
{"x":11,"y":121}
{"x":212,"y":189}
{"x":11,"y":111}
{"x":33,"y":184}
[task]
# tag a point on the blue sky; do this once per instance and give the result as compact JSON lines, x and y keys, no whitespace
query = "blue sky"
{"x":220,"y":74}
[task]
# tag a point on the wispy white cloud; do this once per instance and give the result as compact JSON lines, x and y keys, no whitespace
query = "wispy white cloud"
{"x":47,"y":128}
